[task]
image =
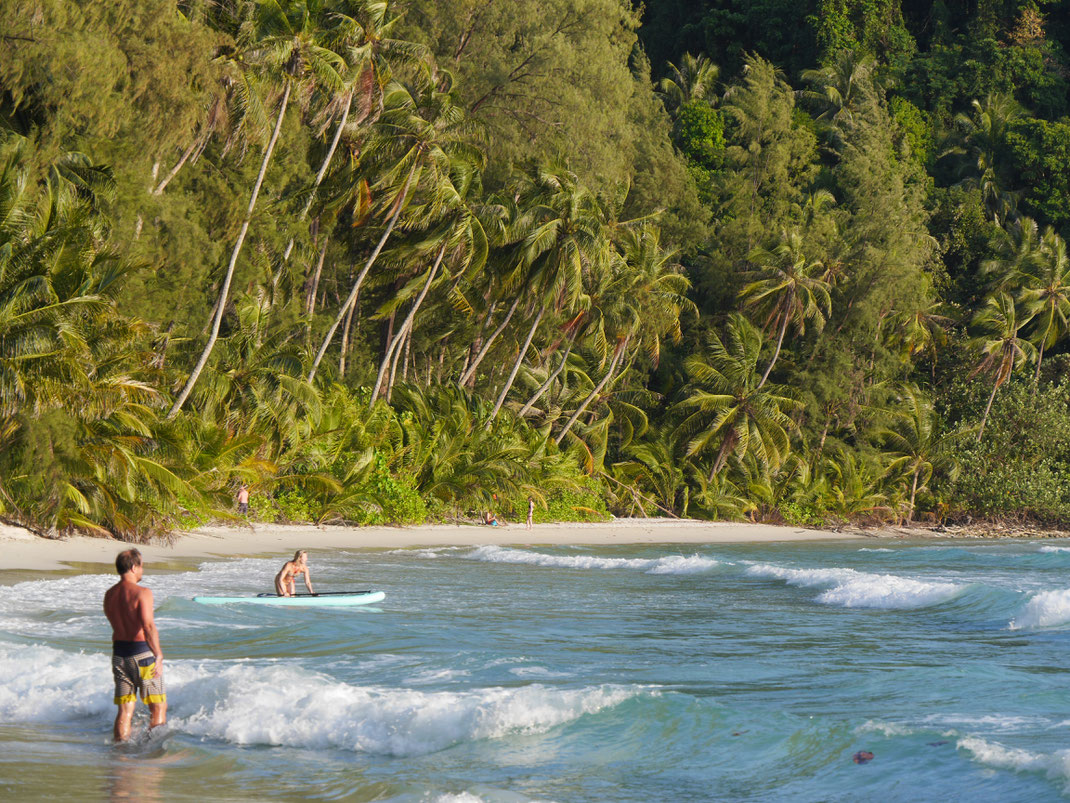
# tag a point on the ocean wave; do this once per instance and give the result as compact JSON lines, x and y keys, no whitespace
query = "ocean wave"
{"x":878,"y":549}
{"x":246,"y":703}
{"x":1050,"y":549}
{"x":853,"y":589}
{"x":992,"y":754}
{"x":669,"y":564}
{"x":1044,"y":609}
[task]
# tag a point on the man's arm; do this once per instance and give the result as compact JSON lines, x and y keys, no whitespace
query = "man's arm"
{"x":148,"y":624}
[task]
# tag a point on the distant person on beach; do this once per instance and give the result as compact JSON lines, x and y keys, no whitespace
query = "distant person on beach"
{"x":490,"y":519}
{"x":137,"y":660}
{"x":243,"y":499}
{"x":531,"y":512}
{"x":285,"y":580}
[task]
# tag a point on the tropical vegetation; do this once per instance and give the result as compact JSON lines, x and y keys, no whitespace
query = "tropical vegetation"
{"x":391,"y":262}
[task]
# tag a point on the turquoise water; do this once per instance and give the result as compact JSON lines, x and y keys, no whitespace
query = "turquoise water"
{"x":651,"y":673}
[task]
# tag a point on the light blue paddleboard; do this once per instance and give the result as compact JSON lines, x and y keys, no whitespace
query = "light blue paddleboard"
{"x":331,"y":599}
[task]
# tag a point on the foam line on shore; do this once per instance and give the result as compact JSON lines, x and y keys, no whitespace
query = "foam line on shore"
{"x":667,"y":564}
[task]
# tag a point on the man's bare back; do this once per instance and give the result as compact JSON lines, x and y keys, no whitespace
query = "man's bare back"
{"x":123,"y":605}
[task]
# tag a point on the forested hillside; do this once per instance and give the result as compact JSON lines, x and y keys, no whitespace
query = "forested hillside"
{"x":798,"y":261}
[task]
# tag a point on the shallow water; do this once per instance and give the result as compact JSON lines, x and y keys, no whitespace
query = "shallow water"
{"x":570,"y":674}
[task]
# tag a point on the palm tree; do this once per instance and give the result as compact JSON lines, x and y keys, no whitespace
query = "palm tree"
{"x":1016,"y":249}
{"x":284,"y":42}
{"x":694,"y":79}
{"x":726,"y":407}
{"x":565,"y":239}
{"x":790,"y":287}
{"x":458,"y":232}
{"x":646,"y":298}
{"x":914,"y":441}
{"x":1047,"y":296}
{"x":982,"y":136}
{"x":839,"y":85}
{"x":415,"y":136}
{"x":999,"y":345}
{"x":360,"y":30}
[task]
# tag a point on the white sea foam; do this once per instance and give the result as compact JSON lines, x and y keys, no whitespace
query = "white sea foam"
{"x":669,"y":564}
{"x":1054,"y":549}
{"x":879,"y":549}
{"x":853,"y":589}
{"x":1045,"y":609}
{"x":992,"y":754}
{"x":884,"y":728}
{"x":253,"y":703}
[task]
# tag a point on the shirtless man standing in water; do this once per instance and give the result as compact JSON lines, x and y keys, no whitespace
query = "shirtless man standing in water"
{"x":285,"y":580}
{"x":137,"y":660}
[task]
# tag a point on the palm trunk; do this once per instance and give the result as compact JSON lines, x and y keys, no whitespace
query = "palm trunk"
{"x":221,"y":304}
{"x":988,"y":408}
{"x":310,"y":301}
{"x":913,"y":494}
{"x":722,"y":456}
{"x":471,"y":372}
{"x":516,"y":366}
{"x":158,"y":190}
{"x":393,"y":346}
{"x":594,"y":393}
{"x":478,"y":342}
{"x":402,"y":335}
{"x":543,"y":387}
{"x":345,"y":342}
{"x":776,"y":354}
{"x":364,"y":272}
{"x":322,"y":171}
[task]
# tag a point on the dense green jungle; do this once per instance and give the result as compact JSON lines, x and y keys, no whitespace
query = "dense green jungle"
{"x":790,"y":260}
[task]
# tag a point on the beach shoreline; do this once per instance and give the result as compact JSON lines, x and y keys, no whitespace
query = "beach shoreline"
{"x":21,"y":550}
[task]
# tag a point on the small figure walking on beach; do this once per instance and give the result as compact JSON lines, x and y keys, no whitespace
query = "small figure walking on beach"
{"x":285,"y":580}
{"x":136,"y":660}
{"x":531,"y":512}
{"x":243,"y":499}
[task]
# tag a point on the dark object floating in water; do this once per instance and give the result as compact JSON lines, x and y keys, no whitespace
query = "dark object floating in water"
{"x":938,"y":744}
{"x":740,"y":733}
{"x":862,"y":757}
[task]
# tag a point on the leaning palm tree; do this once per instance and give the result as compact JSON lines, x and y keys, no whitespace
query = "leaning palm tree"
{"x":999,"y":344}
{"x":283,"y":42}
{"x":727,"y":409}
{"x":790,"y":288}
{"x":457,"y":231}
{"x":416,"y":134}
{"x":564,"y":239}
{"x":646,"y":299}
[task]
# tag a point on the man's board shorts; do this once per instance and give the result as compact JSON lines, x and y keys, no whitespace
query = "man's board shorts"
{"x":134,"y":668}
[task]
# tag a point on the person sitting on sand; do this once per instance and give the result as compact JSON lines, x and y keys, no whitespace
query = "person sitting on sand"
{"x":286,"y":578}
{"x":490,"y":519}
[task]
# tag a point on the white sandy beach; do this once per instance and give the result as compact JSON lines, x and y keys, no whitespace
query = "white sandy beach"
{"x":20,"y":549}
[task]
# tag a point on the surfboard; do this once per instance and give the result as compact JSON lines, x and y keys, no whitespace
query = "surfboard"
{"x":328,"y":599}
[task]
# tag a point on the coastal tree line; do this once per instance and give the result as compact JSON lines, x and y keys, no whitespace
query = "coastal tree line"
{"x":400,"y":262}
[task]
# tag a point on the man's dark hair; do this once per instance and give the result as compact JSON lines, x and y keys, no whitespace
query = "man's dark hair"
{"x":127,"y":560}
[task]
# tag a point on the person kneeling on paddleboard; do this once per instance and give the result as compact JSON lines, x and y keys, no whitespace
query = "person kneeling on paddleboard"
{"x":286,"y":578}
